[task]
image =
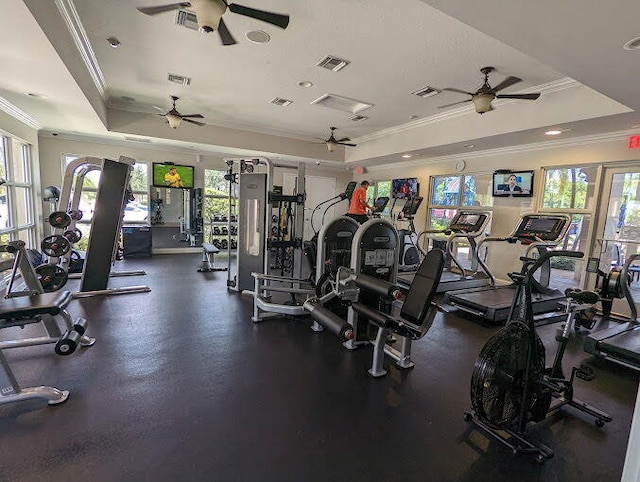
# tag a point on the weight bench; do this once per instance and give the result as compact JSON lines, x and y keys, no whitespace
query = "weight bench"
{"x":208,"y":250}
{"x":26,"y":310}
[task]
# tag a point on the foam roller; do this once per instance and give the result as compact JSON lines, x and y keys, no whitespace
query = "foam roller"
{"x":329,"y":320}
{"x":378,"y":286}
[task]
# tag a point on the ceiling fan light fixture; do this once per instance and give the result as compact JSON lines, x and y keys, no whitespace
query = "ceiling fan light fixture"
{"x":331,"y":146}
{"x":482,"y":102}
{"x":208,"y":13}
{"x":174,"y":121}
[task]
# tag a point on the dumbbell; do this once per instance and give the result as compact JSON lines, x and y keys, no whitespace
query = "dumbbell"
{"x":68,"y":343}
{"x":224,"y":244}
{"x":224,"y":231}
{"x":216,"y":243}
{"x":216,"y":230}
{"x":234,"y":244}
{"x":223,"y":218}
{"x":216,"y":219}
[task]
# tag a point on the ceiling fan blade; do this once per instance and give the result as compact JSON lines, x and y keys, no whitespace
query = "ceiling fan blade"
{"x":519,"y":96}
{"x":225,"y":35}
{"x":163,"y":8}
{"x":194,"y":122}
{"x":276,"y":19}
{"x":344,"y":139}
{"x":454,"y":103}
{"x":197,"y":116}
{"x":451,"y":89}
{"x":159,"y":108}
{"x":508,"y":82}
{"x":346,"y":144}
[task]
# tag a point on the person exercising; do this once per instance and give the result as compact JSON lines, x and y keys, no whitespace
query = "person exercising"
{"x":358,"y":207}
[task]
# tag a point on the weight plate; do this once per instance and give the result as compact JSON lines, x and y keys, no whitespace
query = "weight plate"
{"x":73,"y":235}
{"x":59,"y":219}
{"x":52,"y":277}
{"x":55,"y":245}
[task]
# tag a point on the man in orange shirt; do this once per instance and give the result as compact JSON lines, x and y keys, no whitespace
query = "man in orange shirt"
{"x":358,"y":207}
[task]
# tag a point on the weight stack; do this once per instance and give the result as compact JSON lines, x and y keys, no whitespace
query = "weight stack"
{"x":136,"y":241}
{"x":196,"y":210}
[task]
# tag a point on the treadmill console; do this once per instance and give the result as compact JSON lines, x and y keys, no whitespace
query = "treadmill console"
{"x":380,"y":204}
{"x":411,"y":206}
{"x":545,"y":228}
{"x":467,"y":222}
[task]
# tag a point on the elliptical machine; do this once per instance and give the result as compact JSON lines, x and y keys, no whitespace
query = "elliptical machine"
{"x":510,"y":385}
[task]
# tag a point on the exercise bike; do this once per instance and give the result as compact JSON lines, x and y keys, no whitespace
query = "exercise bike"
{"x":510,"y":385}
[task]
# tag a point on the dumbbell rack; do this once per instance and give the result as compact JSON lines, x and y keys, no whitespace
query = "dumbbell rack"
{"x":222,"y":232}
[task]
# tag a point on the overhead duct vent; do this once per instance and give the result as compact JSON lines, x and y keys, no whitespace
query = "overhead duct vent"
{"x":281,"y":102}
{"x":344,"y":104}
{"x":187,"y":19}
{"x":426,"y":92}
{"x":333,"y":63}
{"x":179,"y":79}
{"x":358,"y":118}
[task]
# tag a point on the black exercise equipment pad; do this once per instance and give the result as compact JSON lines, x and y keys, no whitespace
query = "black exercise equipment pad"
{"x":23,"y":307}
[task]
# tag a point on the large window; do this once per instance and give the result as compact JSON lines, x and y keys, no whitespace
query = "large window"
{"x":570,"y":190}
{"x":450,"y":193}
{"x":16,"y":193}
{"x":216,"y":204}
{"x":136,"y":211}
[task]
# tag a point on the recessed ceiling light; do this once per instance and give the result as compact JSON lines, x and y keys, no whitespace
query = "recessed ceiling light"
{"x":553,"y":132}
{"x":406,"y":156}
{"x":413,"y":117}
{"x":633,"y":44}
{"x":114,"y":42}
{"x":258,"y":36}
{"x":36,"y":95}
{"x":470,"y":146}
{"x":305,"y":83}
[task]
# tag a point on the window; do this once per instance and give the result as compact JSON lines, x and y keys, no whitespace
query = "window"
{"x":215,"y":204}
{"x":16,"y":194}
{"x":136,"y":211}
{"x":380,"y":189}
{"x":450,"y":193}
{"x":570,"y":190}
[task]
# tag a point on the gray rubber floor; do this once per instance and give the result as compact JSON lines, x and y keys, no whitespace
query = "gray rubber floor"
{"x":181,"y":385}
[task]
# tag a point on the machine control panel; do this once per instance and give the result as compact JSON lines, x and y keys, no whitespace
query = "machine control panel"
{"x":544,"y":227}
{"x":468,"y":222}
{"x":411,"y":207}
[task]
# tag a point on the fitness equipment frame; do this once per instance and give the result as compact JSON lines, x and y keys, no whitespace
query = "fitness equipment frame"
{"x":619,"y":344}
{"x":527,"y":392}
{"x":468,"y":225}
{"x":538,"y":232}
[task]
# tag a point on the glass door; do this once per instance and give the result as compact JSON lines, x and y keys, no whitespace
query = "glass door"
{"x":618,"y":239}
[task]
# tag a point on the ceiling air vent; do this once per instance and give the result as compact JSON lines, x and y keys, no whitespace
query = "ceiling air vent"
{"x":187,"y":19}
{"x":333,"y":63}
{"x":426,"y":92}
{"x":281,"y":102}
{"x":179,"y":79}
{"x":358,"y":118}
{"x":344,"y":104}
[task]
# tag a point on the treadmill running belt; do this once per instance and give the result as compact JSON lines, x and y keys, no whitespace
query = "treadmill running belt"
{"x":625,"y":345}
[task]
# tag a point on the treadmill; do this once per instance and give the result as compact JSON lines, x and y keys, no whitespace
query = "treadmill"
{"x":539,"y":232}
{"x":621,"y":343}
{"x":468,"y":225}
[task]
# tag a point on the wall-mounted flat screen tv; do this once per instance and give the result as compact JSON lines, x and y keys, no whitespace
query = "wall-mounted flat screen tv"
{"x":404,"y":188}
{"x":172,"y":176}
{"x":516,"y":183}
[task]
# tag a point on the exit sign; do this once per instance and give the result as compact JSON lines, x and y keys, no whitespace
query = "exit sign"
{"x":634,"y":142}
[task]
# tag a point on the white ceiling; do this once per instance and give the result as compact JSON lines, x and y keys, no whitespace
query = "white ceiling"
{"x":394,"y":49}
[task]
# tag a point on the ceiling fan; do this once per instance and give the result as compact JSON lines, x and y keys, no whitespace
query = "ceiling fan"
{"x":483,"y":97}
{"x":209,"y":14}
{"x":332,"y":142}
{"x":175,"y":118}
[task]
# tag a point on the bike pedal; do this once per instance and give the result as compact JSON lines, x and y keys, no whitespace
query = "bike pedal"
{"x":585,"y":373}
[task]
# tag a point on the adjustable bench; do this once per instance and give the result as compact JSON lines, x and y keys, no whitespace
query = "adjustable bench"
{"x":26,"y":310}
{"x":208,"y":250}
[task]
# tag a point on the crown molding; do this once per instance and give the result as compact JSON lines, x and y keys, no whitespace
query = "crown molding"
{"x":18,"y":114}
{"x":535,"y":146}
{"x":79,"y":34}
{"x":554,"y":86}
